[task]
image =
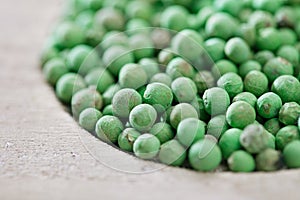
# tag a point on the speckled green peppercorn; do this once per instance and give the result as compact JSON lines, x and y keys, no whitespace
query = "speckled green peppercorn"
{"x":263,"y":56}
{"x":114,"y":38}
{"x":161,"y":78}
{"x":86,"y":98}
{"x":180,"y":112}
{"x":289,"y":113}
{"x":124,"y":101}
{"x":54,"y":69}
{"x":222,"y":67}
{"x":268,"y":39}
{"x":269,"y":160}
{"x":172,"y":153}
{"x":287,"y":36}
{"x":88,"y":118}
{"x":205,"y":155}
{"x":162,"y":131}
{"x":254,"y":138}
{"x":190,"y":130}
{"x":287,"y":87}
{"x":110,"y":18}
{"x":159,"y":96}
{"x":99,"y":77}
{"x":217,"y":126}
{"x":277,"y":67}
{"x":247,"y":32}
{"x":184,"y":89}
{"x":261,"y":19}
{"x":178,"y":67}
{"x":142,"y":117}
{"x":146,"y":146}
{"x":273,"y":125}
{"x":174,"y":17}
{"x":241,"y":161}
{"x":204,"y":80}
{"x":68,"y":85}
{"x":232,"y":83}
{"x":127,"y":138}
{"x":165,"y":56}
{"x":141,"y":45}
{"x":268,"y":105}
{"x":198,"y":104}
{"x":116,"y":57}
{"x":110,"y":93}
{"x":249,"y":66}
{"x":247,"y":97}
{"x":108,"y":128}
{"x":216,"y":101}
{"x":291,"y":154}
{"x":237,"y":50}
{"x":290,"y":53}
{"x":150,"y":66}
{"x":240,"y":114}
{"x":230,"y":142}
{"x":132,"y":76}
{"x":256,"y":82}
{"x":215,"y":48}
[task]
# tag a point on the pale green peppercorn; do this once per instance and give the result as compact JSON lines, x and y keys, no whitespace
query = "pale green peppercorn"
{"x":132,"y":76}
{"x":291,"y":154}
{"x":264,"y":56}
{"x":110,"y":18}
{"x":161,"y":78}
{"x":88,"y":118}
{"x":273,"y":125}
{"x":277,"y":67}
{"x":237,"y":50}
{"x":287,"y":36}
{"x":217,"y":126}
{"x":286,"y":135}
{"x":222,"y":67}
{"x":268,"y":39}
{"x":108,"y":110}
{"x":215,"y":48}
{"x":175,"y":18}
{"x":141,"y":45}
{"x":232,"y":83}
{"x":288,"y":88}
{"x":216,"y":101}
{"x":54,"y":69}
{"x":198,"y":104}
{"x":230,"y":142}
{"x":108,"y":128}
{"x":110,"y":93}
{"x":268,"y":105}
{"x":269,"y":160}
{"x":142,"y":117}
{"x":146,"y":146}
{"x":172,"y":153}
{"x":289,"y":113}
{"x":241,"y":161}
{"x":249,"y":66}
{"x":180,"y":112}
{"x":114,"y":38}
{"x":178,"y":67}
{"x":204,"y":80}
{"x":184,"y":89}
{"x":162,"y":131}
{"x":256,"y":83}
{"x":261,"y":19}
{"x":248,"y":33}
{"x":139,"y":9}
{"x":247,"y":97}
{"x":127,"y":138}
{"x":267,"y":5}
{"x":290,"y":53}
{"x":229,"y":6}
{"x":165,"y":56}
{"x":150,"y":66}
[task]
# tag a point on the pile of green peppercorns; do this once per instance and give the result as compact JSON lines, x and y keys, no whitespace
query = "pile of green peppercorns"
{"x":212,"y":83}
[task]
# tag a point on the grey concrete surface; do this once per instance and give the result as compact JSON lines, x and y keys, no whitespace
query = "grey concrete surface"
{"x":45,"y":155}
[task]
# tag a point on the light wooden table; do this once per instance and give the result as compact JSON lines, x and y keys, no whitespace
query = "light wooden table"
{"x":45,"y":155}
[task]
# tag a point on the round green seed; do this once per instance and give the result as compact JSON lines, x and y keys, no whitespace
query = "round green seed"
{"x":215,"y":48}
{"x":88,"y":119}
{"x":269,"y":160}
{"x":132,"y":76}
{"x":161,"y":78}
{"x":291,"y":154}
{"x":174,"y":18}
{"x":247,"y":97}
{"x":288,"y":88}
{"x":249,"y":66}
{"x":216,"y":101}
{"x":127,"y":138}
{"x":232,"y":83}
{"x":162,"y":131}
{"x":142,"y":117}
{"x":178,"y":67}
{"x":222,"y":67}
{"x":110,"y":93}
{"x":54,"y":69}
{"x":146,"y":146}
{"x":184,"y":89}
{"x":180,"y":112}
{"x":172,"y":153}
{"x":230,"y":142}
{"x":237,"y":50}
{"x":268,"y":105}
{"x":273,"y":125}
{"x":268,"y":39}
{"x":289,"y":113}
{"x":256,"y":82}
{"x":241,"y":161}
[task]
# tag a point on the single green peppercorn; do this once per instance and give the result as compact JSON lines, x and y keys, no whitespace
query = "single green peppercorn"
{"x":222,"y":67}
{"x":247,"y":97}
{"x":248,"y":33}
{"x":289,"y":113}
{"x":232,"y":83}
{"x":162,"y":131}
{"x":286,"y":135}
{"x":288,"y":88}
{"x":108,"y":128}
{"x":54,"y":69}
{"x":268,"y":39}
{"x":190,"y":130}
{"x":110,"y":18}
{"x":267,"y":5}
{"x":237,"y":50}
{"x":127,"y":138}
{"x":256,"y":82}
{"x":229,"y":6}
{"x":161,"y":78}
{"x":261,"y":19}
{"x":249,"y":66}
{"x":291,"y":154}
{"x":68,"y":85}
{"x":108,"y":110}
{"x":150,"y":66}
{"x":268,"y":105}
{"x":241,"y":161}
{"x":165,"y":56}
{"x":269,"y":160}
{"x":141,"y":45}
{"x":132,"y":76}
{"x":172,"y":153}
{"x":216,"y":101}
{"x":290,"y":53}
{"x":139,"y":9}
{"x":110,"y":93}
{"x":159,"y":96}
{"x":114,"y":38}
{"x":273,"y":125}
{"x":205,"y":155}
{"x":254,"y":138}
{"x":174,"y":17}
{"x":230,"y":142}
{"x":198,"y":104}
{"x":146,"y":146}
{"x":178,"y":67}
{"x":287,"y":36}
{"x":86,"y":98}
{"x":277,"y":67}
{"x":180,"y":112}
{"x":124,"y":101}
{"x":88,"y":118}
{"x":263,"y":56}
{"x":217,"y":126}
{"x":215,"y":48}
{"x":184,"y":89}
{"x":142,"y":117}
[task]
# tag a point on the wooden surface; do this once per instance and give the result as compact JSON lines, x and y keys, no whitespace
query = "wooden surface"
{"x":45,"y":155}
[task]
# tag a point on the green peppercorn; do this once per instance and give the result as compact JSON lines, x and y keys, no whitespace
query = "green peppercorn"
{"x":287,"y":36}
{"x":261,"y":19}
{"x":110,"y":93}
{"x":216,"y":101}
{"x":286,"y":135}
{"x":162,"y":131}
{"x":229,"y":6}
{"x":114,"y":38}
{"x":108,"y":110}
{"x":240,"y":114}
{"x":256,"y":82}
{"x":142,"y":117}
{"x":88,"y":118}
{"x":241,"y":161}
{"x":54,"y":69}
{"x":273,"y":125}
{"x":237,"y":50}
{"x":184,"y":89}
{"x":288,"y":88}
{"x":291,"y":154}
{"x":180,"y":112}
{"x":249,"y":66}
{"x":232,"y":83}
{"x":263,"y":57}
{"x":217,"y":126}
{"x":141,"y":45}
{"x":269,"y":160}
{"x":247,"y":97}
{"x":268,"y":105}
{"x":165,"y":56}
{"x":132,"y":76}
{"x":204,"y":80}
{"x":277,"y":67}
{"x":175,"y":18}
{"x":205,"y":155}
{"x":108,"y":128}
{"x":161,"y":78}
{"x":289,"y":113}
{"x":150,"y":66}
{"x":222,"y":67}
{"x":178,"y":67}
{"x":127,"y":138}
{"x":230,"y":142}
{"x":172,"y":153}
{"x":110,"y":18}
{"x":289,"y":53}
{"x":146,"y":146}
{"x":267,"y":5}
{"x":215,"y":48}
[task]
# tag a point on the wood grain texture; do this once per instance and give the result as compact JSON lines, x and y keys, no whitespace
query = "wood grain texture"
{"x":45,"y":155}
